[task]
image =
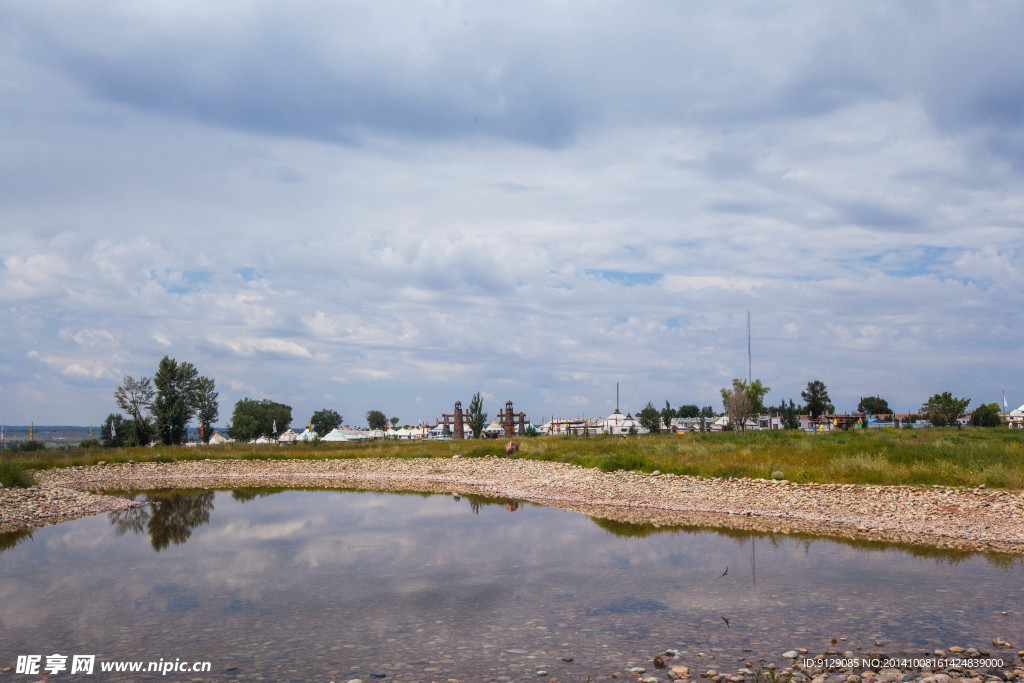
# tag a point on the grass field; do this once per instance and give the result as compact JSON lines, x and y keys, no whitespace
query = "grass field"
{"x":949,"y":457}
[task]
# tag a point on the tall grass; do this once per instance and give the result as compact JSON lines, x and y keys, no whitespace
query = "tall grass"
{"x":948,"y":457}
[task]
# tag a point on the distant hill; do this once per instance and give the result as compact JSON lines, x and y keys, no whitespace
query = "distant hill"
{"x":58,"y":435}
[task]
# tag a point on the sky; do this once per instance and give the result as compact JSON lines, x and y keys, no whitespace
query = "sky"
{"x":393,"y":205}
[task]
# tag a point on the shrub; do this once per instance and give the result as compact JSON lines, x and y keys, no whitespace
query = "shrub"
{"x":622,"y":461}
{"x":13,"y":474}
{"x":89,"y":444}
{"x":28,"y":447}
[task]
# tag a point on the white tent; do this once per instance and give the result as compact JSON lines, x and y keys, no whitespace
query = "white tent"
{"x":307,"y":435}
{"x":287,"y":436}
{"x":334,"y":435}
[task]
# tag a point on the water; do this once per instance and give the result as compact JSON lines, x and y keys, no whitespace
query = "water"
{"x":335,"y":585}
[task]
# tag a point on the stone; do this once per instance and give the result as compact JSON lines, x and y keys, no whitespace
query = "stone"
{"x":790,"y":654}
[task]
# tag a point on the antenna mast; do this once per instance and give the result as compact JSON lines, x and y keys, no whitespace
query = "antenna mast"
{"x":750,"y":375}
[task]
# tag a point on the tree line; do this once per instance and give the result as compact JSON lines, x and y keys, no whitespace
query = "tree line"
{"x":745,"y":400}
{"x":162,"y":407}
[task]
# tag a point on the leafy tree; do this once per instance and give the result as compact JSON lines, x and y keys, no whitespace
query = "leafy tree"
{"x":790,"y":415}
{"x":943,"y":409}
{"x":649,"y":418}
{"x":207,"y":408}
{"x":135,"y":397}
{"x":376,"y":420}
{"x":253,"y":419}
{"x":744,"y":400}
{"x":324,"y":421}
{"x":817,"y":400}
{"x":667,"y":413}
{"x":688,"y":410}
{"x":738,"y":407}
{"x":706,"y":413}
{"x":175,"y":402}
{"x":394,"y":422}
{"x":476,"y":418}
{"x":755,"y":391}
{"x":873,"y":405}
{"x":114,"y":432}
{"x":986,"y":415}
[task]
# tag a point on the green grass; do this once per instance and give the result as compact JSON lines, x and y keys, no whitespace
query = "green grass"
{"x":15,"y":474}
{"x":948,"y":457}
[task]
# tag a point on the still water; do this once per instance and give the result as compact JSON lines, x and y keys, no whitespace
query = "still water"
{"x":335,"y":585}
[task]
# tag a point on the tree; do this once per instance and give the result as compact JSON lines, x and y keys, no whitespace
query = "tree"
{"x":986,"y":415}
{"x":817,"y":400}
{"x":943,"y":409}
{"x":649,"y":418}
{"x":476,"y":418}
{"x":706,"y":413}
{"x":394,"y":422}
{"x":375,"y":419}
{"x":688,"y":410}
{"x":874,"y":405}
{"x":789,"y":415}
{"x":134,"y":397}
{"x":253,"y":419}
{"x":738,"y":409}
{"x":175,"y":402}
{"x":667,"y":413}
{"x":324,"y":421}
{"x":114,"y":432}
{"x":207,"y":408}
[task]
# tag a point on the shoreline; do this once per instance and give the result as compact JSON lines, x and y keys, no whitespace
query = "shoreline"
{"x":970,"y":519}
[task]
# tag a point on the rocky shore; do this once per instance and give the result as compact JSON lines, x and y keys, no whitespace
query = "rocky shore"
{"x":969,"y":519}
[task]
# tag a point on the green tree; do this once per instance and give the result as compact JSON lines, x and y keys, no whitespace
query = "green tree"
{"x":743,"y":400}
{"x":688,"y":410}
{"x":790,"y":415}
{"x":394,"y":422}
{"x":986,"y":415}
{"x":135,"y":398}
{"x":874,"y":405}
{"x":649,"y":418}
{"x":476,"y":418}
{"x":667,"y":413}
{"x":816,"y":398}
{"x":943,"y":409}
{"x":114,"y":433}
{"x":207,"y":408}
{"x":375,"y":419}
{"x":706,"y":413}
{"x":175,"y":402}
{"x":755,"y":391}
{"x":252,"y":419}
{"x":324,"y":421}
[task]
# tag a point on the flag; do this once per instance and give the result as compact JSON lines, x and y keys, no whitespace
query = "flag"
{"x":113,"y":431}
{"x":1004,"y":402}
{"x":275,"y":425}
{"x":200,"y":429}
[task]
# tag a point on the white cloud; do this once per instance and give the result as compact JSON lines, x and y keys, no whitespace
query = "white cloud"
{"x":288,"y":236}
{"x":252,"y":346}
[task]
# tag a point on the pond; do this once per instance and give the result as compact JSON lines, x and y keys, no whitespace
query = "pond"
{"x":336,"y":585}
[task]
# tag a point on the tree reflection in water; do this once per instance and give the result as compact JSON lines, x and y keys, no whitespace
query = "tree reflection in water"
{"x":169,"y":517}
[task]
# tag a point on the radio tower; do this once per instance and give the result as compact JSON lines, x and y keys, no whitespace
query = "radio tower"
{"x":750,"y":375}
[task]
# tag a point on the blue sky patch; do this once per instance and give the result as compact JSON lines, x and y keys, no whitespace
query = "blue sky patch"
{"x":624,"y":278}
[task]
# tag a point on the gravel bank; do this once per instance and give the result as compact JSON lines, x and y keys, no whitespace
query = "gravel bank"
{"x":974,"y":519}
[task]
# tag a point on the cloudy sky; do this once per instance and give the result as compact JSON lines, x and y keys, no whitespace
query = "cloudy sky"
{"x":390,"y":206}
